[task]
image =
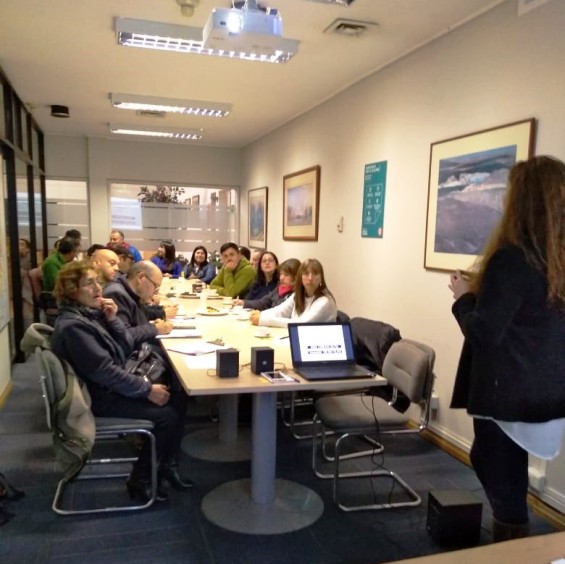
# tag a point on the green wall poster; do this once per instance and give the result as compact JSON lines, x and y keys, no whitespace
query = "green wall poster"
{"x":374,"y":200}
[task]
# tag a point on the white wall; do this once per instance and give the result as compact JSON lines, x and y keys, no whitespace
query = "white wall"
{"x":100,"y":161}
{"x":498,"y":69}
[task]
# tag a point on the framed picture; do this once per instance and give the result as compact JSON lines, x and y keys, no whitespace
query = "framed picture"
{"x":301,"y":205}
{"x":258,"y":201}
{"x":195,"y":201}
{"x":466,"y":188}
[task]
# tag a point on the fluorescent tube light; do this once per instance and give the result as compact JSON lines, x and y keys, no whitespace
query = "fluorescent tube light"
{"x":169,"y":105}
{"x":189,"y":39}
{"x":162,"y":132}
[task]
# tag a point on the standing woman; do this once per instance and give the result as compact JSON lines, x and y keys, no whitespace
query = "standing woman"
{"x":511,"y":374}
{"x":165,"y":259}
{"x":311,"y":301}
{"x":267,"y":277}
{"x":199,"y":267}
{"x":95,"y":342}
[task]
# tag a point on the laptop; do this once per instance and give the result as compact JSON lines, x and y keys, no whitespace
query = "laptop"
{"x":324,"y":351}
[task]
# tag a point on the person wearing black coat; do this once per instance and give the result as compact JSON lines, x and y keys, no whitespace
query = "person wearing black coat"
{"x":511,"y":374}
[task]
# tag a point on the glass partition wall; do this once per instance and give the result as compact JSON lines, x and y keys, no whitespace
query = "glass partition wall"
{"x":23,"y":233}
{"x":186,"y":215}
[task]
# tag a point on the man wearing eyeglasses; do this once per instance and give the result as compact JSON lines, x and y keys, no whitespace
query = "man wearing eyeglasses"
{"x":130,"y":293}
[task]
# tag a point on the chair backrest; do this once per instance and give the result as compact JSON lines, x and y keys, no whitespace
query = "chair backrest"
{"x":372,"y":340}
{"x":342,"y":317}
{"x":36,"y":280}
{"x":68,"y":411}
{"x":408,"y":366}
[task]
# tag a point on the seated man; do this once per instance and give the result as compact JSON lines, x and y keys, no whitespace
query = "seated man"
{"x":236,"y":274}
{"x":105,"y":263}
{"x":125,"y":260}
{"x":130,"y":293}
{"x":66,"y":252}
{"x":117,"y":241}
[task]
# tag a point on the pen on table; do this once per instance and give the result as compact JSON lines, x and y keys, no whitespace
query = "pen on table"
{"x":283,"y":337}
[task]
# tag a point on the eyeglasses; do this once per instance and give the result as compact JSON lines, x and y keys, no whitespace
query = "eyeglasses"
{"x":89,"y":283}
{"x":155,"y":286}
{"x":267,"y":260}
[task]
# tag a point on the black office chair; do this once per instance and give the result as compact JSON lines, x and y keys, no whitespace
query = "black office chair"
{"x":76,"y":430}
{"x":408,"y":367}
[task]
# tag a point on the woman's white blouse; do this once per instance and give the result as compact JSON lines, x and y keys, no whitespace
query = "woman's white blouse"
{"x":321,"y":309}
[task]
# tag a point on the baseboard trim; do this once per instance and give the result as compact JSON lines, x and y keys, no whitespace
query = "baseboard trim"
{"x":5,"y":393}
{"x":539,"y":507}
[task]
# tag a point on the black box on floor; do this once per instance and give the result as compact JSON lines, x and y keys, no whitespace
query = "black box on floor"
{"x":262,"y":359}
{"x":454,"y":517}
{"x":227,"y":363}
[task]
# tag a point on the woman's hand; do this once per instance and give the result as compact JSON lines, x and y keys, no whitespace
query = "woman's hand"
{"x":159,"y":394}
{"x":238,"y":302}
{"x":109,"y":308}
{"x":459,"y":285}
{"x":254,"y":317}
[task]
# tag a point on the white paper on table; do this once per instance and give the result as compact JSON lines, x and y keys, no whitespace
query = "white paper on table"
{"x":183,"y":323}
{"x":195,"y":349}
{"x":181,"y":334}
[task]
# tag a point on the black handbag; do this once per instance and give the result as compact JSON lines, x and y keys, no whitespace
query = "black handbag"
{"x":148,"y":364}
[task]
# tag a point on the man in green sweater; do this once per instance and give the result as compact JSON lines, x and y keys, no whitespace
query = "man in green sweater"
{"x":236,"y":275}
{"x":67,"y":250}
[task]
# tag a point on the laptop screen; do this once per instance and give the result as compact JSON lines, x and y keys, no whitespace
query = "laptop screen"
{"x":320,"y":343}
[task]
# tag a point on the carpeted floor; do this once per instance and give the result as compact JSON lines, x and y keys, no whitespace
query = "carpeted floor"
{"x":177,"y":531}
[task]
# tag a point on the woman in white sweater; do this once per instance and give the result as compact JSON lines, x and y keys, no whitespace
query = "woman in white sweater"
{"x":311,"y":302}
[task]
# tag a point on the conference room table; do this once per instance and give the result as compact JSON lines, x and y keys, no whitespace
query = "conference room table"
{"x":260,"y":504}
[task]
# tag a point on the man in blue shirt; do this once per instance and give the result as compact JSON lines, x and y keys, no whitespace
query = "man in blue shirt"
{"x":117,"y":241}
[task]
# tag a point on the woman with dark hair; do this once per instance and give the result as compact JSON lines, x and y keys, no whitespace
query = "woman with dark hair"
{"x":267,"y":277}
{"x":165,"y":259}
{"x":199,"y":267}
{"x":287,"y":277}
{"x":311,"y":301}
{"x":94,"y":341}
{"x":511,"y":374}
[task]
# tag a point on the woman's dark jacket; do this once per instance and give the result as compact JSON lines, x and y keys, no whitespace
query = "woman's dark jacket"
{"x":268,"y":301}
{"x":97,"y":350}
{"x":260,"y":289}
{"x":512,"y":366}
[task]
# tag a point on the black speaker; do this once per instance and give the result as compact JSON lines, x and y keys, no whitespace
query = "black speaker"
{"x":454,"y":518}
{"x":262,"y":359}
{"x":227,"y":363}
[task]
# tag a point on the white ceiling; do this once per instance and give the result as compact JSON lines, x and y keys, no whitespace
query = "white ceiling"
{"x":65,"y":52}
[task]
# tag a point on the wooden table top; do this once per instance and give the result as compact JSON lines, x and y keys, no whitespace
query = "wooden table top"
{"x":198,"y":374}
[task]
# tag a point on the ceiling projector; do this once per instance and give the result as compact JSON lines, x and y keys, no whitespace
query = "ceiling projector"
{"x":247,"y":31}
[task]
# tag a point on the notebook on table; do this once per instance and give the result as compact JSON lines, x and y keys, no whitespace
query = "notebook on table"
{"x":324,"y":351}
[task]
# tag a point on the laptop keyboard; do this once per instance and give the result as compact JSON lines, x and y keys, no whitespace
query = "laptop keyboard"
{"x":335,"y":371}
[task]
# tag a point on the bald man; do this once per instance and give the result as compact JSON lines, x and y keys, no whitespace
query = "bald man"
{"x":130,"y":293}
{"x":105,"y":262}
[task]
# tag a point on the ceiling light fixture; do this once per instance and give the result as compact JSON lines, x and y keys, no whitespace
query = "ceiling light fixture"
{"x":163,"y":132}
{"x":248,"y":33}
{"x":169,"y":105}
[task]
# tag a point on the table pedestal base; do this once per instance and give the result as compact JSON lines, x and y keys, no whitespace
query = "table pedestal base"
{"x":206,"y":445}
{"x":230,"y":506}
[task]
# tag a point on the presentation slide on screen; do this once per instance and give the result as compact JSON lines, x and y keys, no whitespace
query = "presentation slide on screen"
{"x":321,"y":343}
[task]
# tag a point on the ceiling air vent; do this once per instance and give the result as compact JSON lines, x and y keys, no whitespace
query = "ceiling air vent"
{"x":151,"y":113}
{"x":350,"y":28}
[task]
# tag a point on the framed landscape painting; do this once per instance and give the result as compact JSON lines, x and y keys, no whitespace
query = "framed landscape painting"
{"x":257,"y":214}
{"x":467,"y":183}
{"x":301,"y":205}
